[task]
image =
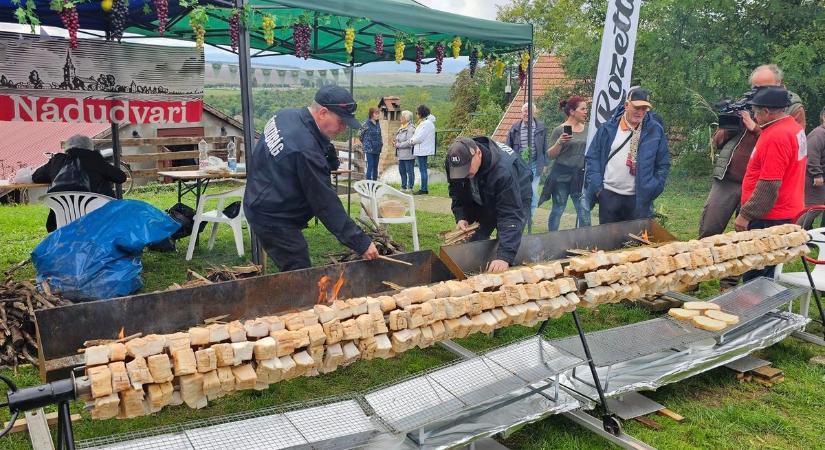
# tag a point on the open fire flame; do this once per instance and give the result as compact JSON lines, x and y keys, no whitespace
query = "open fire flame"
{"x":121,"y":334}
{"x":327,"y":295}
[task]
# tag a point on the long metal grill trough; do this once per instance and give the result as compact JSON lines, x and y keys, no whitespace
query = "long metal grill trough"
{"x":614,"y":345}
{"x":412,"y":403}
{"x":337,"y":425}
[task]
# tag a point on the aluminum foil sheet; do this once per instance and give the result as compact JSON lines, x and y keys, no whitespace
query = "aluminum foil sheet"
{"x":653,"y":371}
{"x":504,"y":415}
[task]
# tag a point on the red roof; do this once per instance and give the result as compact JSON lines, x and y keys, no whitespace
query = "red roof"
{"x":547,"y":73}
{"x":25,"y":142}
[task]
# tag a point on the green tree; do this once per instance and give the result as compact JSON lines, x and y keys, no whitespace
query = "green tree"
{"x":687,"y":49}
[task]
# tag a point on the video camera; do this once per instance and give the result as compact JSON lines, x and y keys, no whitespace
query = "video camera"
{"x":729,"y":110}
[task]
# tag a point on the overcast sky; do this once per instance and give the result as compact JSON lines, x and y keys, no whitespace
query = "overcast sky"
{"x":484,"y":9}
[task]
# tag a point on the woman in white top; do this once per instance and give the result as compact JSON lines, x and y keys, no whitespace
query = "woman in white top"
{"x":423,"y":143}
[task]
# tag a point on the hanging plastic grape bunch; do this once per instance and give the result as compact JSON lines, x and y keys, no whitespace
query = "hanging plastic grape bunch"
{"x":399,"y":50}
{"x":379,"y":44}
{"x":120,"y":14}
{"x":349,"y":39}
{"x":106,"y":5}
{"x":456,"y":46}
{"x":235,"y":29}
{"x":499,"y":68}
{"x":301,"y":34}
{"x":439,"y":56}
{"x":162,"y":8}
{"x":522,"y":75}
{"x":419,"y":56}
{"x":68,"y":15}
{"x":473,"y":61}
{"x":268,"y":27}
{"x":525,"y":61}
{"x":197,"y":20}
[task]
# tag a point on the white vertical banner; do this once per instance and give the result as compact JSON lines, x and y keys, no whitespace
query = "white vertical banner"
{"x":615,"y":61}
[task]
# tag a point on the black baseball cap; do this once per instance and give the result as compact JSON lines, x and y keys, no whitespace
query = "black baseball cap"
{"x":340,"y":101}
{"x":771,"y":97}
{"x":459,"y":157}
{"x":638,"y":96}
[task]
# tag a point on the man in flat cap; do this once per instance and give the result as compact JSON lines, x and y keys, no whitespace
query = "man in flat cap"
{"x":290,"y":182}
{"x":627,"y":163}
{"x":773,"y":189}
{"x":490,"y":184}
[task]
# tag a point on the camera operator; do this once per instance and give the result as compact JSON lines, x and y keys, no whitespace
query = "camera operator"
{"x":734,"y":147}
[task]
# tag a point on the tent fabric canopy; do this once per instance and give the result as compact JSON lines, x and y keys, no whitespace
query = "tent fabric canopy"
{"x":329,"y":19}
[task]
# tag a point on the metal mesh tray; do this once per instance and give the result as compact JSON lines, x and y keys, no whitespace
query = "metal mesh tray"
{"x":754,"y":299}
{"x":324,"y":424}
{"x":627,"y":342}
{"x":424,"y":398}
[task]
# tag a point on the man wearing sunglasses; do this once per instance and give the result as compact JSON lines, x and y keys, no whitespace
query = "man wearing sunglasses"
{"x":290,"y":180}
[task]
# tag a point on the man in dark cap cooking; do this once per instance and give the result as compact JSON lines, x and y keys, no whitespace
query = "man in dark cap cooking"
{"x":290,"y":180}
{"x":490,"y":184}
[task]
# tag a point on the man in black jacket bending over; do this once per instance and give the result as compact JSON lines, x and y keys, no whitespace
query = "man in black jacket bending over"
{"x":290,"y":180}
{"x":490,"y":184}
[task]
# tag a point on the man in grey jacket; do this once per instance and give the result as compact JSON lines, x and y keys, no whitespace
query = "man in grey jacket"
{"x":814,"y":180}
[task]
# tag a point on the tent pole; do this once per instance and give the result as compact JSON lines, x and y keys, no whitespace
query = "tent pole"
{"x":116,"y":150}
{"x":349,"y":151}
{"x":244,"y":65}
{"x":530,"y":125}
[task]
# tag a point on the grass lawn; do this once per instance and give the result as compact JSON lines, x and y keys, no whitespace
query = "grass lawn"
{"x":721,"y":413}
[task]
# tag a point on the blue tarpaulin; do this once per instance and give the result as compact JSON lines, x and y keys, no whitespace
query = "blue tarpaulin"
{"x":98,"y":255}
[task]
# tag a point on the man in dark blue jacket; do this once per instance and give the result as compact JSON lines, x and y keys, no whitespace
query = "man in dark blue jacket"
{"x":290,"y":182}
{"x":627,"y":163}
{"x":490,"y":184}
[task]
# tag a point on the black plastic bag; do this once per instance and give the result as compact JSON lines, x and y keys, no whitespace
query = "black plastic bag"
{"x":232,"y":210}
{"x":185,"y":216}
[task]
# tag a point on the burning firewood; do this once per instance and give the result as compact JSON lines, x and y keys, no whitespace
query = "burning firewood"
{"x":18,"y":302}
{"x":217,"y":274}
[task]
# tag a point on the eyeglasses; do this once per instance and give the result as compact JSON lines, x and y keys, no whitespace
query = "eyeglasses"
{"x":348,"y":107}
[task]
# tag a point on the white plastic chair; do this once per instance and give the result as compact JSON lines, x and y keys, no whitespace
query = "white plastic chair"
{"x":71,"y":205}
{"x":216,"y":216}
{"x":801,"y":278}
{"x":372,"y":191}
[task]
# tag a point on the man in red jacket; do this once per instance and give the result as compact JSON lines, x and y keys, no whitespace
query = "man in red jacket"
{"x":773,"y":189}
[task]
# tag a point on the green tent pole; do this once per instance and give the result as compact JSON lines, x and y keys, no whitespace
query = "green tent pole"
{"x":349,"y":158}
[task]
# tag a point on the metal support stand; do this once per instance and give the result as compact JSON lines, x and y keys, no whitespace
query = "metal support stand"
{"x":816,"y":295}
{"x":610,"y":423}
{"x":349,"y":141}
{"x":116,"y":150}
{"x":530,"y":125}
{"x":65,"y":433}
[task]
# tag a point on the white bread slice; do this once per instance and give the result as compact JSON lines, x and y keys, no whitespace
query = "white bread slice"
{"x":682,"y":314}
{"x":700,"y":306}
{"x":729,"y":319}
{"x":706,"y":323}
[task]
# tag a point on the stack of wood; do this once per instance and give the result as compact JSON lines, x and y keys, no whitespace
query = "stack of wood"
{"x":458,"y":236}
{"x":18,"y":302}
{"x":145,"y":374}
{"x":217,"y":274}
{"x":380,"y":237}
{"x":644,"y":271}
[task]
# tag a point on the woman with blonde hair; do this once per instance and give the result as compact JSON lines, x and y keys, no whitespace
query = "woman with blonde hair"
{"x":404,"y":151}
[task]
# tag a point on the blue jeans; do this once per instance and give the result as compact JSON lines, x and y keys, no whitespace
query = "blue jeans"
{"x":560,"y":195}
{"x":372,"y":165}
{"x":422,"y":169}
{"x":406,"y":167}
{"x":534,"y":203}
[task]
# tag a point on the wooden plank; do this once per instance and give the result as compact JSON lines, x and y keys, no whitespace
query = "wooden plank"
{"x":51,"y":419}
{"x":671,"y":414}
{"x":153,"y":173}
{"x":648,"y":422}
{"x":767,"y":372}
{"x":41,"y":437}
{"x":163,"y":156}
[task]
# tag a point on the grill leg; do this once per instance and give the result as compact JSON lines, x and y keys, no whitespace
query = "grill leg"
{"x":816,"y":294}
{"x":609,"y":421}
{"x":65,"y":434}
